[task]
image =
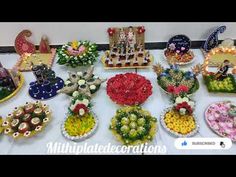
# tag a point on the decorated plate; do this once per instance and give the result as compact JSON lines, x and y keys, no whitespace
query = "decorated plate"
{"x":178,"y":48}
{"x":123,"y":66}
{"x":221,"y":119}
{"x":177,"y":125}
{"x":71,"y":130}
{"x":17,"y":89}
{"x":27,"y":120}
{"x":133,"y":125}
{"x":129,"y":89}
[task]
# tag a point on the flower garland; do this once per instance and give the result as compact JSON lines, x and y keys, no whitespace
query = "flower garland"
{"x":77,"y":53}
{"x":129,"y":89}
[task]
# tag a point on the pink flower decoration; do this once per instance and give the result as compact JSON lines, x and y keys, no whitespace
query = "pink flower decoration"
{"x":81,"y":49}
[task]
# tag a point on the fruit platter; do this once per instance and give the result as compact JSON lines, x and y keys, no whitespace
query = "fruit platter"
{"x":221,"y":119}
{"x":27,"y":120}
{"x":82,"y":83}
{"x":178,"y":50}
{"x":11,"y":81}
{"x":77,"y":53}
{"x":129,"y":89}
{"x":179,"y":120}
{"x":133,"y":126}
{"x":174,"y":81}
{"x":81,"y":122}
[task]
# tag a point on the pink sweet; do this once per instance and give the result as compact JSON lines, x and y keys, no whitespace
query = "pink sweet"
{"x":211,"y":118}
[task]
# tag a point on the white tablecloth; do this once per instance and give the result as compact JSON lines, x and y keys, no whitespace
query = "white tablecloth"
{"x":104,"y":108}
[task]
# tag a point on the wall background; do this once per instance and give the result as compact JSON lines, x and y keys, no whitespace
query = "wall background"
{"x":60,"y":33}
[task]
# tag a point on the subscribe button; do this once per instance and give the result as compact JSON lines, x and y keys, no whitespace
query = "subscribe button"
{"x":203,"y":143}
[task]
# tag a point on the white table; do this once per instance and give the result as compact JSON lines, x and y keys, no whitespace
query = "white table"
{"x":104,"y":108}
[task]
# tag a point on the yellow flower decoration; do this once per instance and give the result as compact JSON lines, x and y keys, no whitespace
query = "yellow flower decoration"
{"x":168,"y":115}
{"x":76,"y":126}
{"x":167,"y":120}
{"x":183,"y":124}
{"x":75,"y":44}
{"x":170,"y":126}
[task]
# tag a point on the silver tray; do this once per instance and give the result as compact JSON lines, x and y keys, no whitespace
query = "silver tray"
{"x":79,"y":138}
{"x":171,"y":132}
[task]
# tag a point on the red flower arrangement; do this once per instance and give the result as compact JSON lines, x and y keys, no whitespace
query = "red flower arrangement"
{"x":177,"y":90}
{"x":184,"y":105}
{"x":129,"y":89}
{"x":80,"y":106}
{"x":141,"y":29}
{"x":111,"y":31}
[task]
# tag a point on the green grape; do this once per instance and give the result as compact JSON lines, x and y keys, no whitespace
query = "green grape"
{"x":133,"y":117}
{"x":124,"y":129}
{"x":125,"y":121}
{"x":141,"y":121}
{"x":133,"y":125}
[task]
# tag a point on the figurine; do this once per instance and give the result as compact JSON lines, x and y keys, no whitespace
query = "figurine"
{"x":131,"y":38}
{"x":223,"y":69}
{"x":44,"y":45}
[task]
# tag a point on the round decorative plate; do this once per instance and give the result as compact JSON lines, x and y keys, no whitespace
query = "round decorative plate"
{"x":168,"y":59}
{"x":84,"y":135}
{"x":179,"y":43}
{"x":219,"y":119}
{"x":22,"y":80}
{"x":38,"y":92}
{"x":129,"y":89}
{"x":183,"y":128}
{"x":133,"y":125}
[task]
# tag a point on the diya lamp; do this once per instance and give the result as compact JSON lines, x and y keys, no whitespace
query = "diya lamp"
{"x":38,"y":103}
{"x":29,"y":107}
{"x":27,"y":118}
{"x":35,"y":122}
{"x":19,"y":112}
{"x":47,"y":113}
{"x":38,"y":111}
{"x":23,"y":127}
{"x":10,"y":116}
{"x":15,"y":123}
